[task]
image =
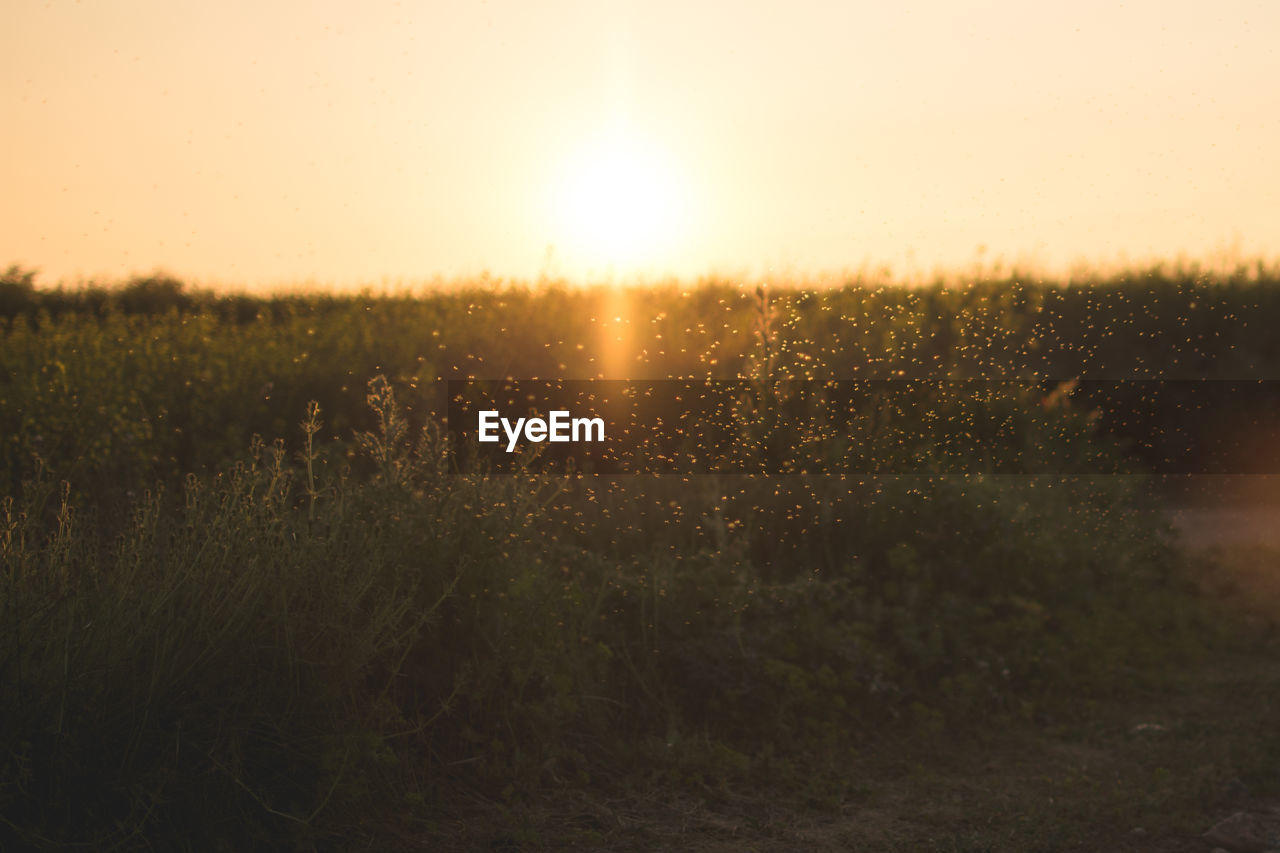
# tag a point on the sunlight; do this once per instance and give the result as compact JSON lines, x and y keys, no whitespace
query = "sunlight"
{"x":617,"y":205}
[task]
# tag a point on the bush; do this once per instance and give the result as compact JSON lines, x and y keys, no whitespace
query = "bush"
{"x":964,"y":595}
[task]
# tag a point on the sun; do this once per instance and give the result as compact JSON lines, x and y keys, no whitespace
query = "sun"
{"x":618,"y":204}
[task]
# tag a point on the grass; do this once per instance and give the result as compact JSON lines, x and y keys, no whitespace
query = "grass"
{"x":282,"y":652}
{"x":1146,"y":770}
{"x":350,"y":637}
{"x":243,"y":648}
{"x":1148,"y":765}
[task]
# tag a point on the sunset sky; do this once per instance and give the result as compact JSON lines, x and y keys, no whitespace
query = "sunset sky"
{"x":277,"y":143}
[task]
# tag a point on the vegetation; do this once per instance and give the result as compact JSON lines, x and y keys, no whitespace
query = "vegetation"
{"x":341,"y":628}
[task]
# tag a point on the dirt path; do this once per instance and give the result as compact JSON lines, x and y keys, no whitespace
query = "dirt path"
{"x":1206,"y":526}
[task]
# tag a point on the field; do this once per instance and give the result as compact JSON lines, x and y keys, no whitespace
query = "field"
{"x":259,"y":591}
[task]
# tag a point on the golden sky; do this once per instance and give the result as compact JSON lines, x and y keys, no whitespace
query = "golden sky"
{"x":275,"y":143}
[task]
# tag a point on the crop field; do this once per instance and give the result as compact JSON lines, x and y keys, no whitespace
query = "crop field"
{"x":262,"y":588}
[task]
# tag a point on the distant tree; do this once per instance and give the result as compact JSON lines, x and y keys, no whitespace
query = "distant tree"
{"x":17,"y":291}
{"x":153,"y":294}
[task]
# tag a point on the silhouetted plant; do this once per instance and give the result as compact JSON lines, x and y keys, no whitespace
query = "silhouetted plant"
{"x":17,"y":291}
{"x":153,"y":294}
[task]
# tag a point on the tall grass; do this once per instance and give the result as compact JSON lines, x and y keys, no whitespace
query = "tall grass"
{"x":296,"y":646}
{"x":235,"y":664}
{"x":341,"y":628}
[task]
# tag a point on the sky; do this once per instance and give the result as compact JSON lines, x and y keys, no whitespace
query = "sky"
{"x":274,"y":144}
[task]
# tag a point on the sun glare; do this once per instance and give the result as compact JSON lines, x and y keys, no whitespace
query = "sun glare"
{"x":618,"y":206}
